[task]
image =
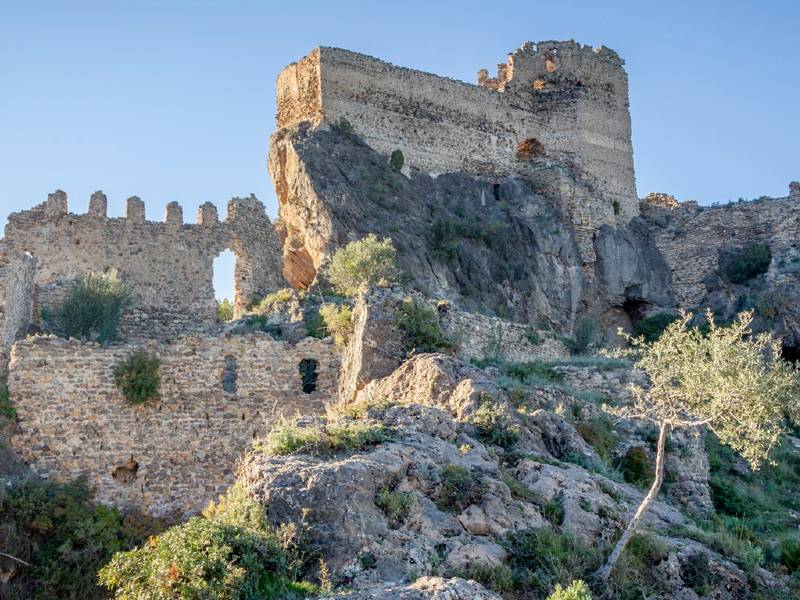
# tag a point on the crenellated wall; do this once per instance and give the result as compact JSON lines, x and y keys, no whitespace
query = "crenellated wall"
{"x":168,"y":266}
{"x":168,"y":456}
{"x":563,"y":100}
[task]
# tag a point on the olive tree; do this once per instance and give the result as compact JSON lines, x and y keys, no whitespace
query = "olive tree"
{"x":368,"y":261}
{"x":723,"y":377}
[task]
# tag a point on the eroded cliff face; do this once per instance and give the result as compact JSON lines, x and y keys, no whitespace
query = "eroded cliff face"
{"x":503,"y":247}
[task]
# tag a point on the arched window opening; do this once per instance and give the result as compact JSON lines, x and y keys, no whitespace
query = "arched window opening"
{"x":223,"y":280}
{"x":308,"y":374}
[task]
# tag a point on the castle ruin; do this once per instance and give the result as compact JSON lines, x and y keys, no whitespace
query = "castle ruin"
{"x":560,"y":100}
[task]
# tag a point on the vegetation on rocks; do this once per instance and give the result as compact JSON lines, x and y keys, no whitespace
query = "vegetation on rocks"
{"x":727,"y":379}
{"x":7,"y":409}
{"x":494,"y":425}
{"x":368,"y":261}
{"x":650,"y":328}
{"x":394,"y":504}
{"x":337,"y":321}
{"x":93,"y":307}
{"x":420,"y":323}
{"x":459,"y":488}
{"x":742,"y":265}
{"x":62,"y":537}
{"x":288,"y":437}
{"x":137,"y":377}
{"x":231,"y":552}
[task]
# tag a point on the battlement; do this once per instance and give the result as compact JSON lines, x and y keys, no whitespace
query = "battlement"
{"x":168,"y":265}
{"x":567,"y":101}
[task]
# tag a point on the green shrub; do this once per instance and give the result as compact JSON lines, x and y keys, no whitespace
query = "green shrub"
{"x":652,"y":327}
{"x":697,"y":574}
{"x":343,"y":127}
{"x":313,"y":322}
{"x":553,"y":510}
{"x":542,"y":558}
{"x":499,"y":578}
{"x":633,"y":578}
{"x":397,"y":160}
{"x":394,"y":504}
{"x":288,"y":438}
{"x":368,"y":261}
{"x":136,"y":376}
{"x":532,"y":336}
{"x":65,"y":537}
{"x":494,"y":425}
{"x":790,"y":553}
{"x":577,"y":590}
{"x":6,"y":408}
{"x":444,"y":235}
{"x":420,"y":323}
{"x":233,"y":552}
{"x":615,"y":205}
{"x":584,"y":335}
{"x":742,"y":265}
{"x":636,"y":467}
{"x":337,"y":320}
{"x":224,"y":310}
{"x":93,"y":307}
{"x":598,"y":433}
{"x":272,"y":301}
{"x":459,"y":488}
{"x":533,"y":372}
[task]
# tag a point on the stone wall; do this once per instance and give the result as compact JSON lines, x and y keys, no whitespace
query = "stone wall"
{"x":480,"y":336}
{"x":691,"y":238}
{"x":168,"y":266}
{"x":566,"y":101}
{"x":168,"y":456}
{"x":17,"y":272}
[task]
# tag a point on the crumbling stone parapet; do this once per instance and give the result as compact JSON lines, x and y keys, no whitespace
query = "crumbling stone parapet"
{"x":98,"y":204}
{"x":794,"y":190}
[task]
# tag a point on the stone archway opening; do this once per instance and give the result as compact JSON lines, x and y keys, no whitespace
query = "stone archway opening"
{"x":225,"y":284}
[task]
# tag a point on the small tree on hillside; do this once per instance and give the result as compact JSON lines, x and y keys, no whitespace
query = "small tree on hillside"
{"x":368,"y":261}
{"x":727,"y":379}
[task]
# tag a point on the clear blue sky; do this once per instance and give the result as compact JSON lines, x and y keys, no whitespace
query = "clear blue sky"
{"x":175,"y":100}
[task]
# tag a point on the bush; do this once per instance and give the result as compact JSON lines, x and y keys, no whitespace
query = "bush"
{"x":93,"y":307}
{"x":651,"y":328}
{"x":394,"y":504}
{"x":636,"y":467}
{"x":337,"y":320}
{"x":499,"y":578}
{"x":459,"y":489}
{"x":6,"y":408}
{"x":225,"y":310}
{"x":533,"y":372}
{"x":532,"y":336}
{"x":790,"y":553}
{"x":136,"y":376}
{"x":273,"y":301}
{"x":742,"y":265}
{"x":553,"y":510}
{"x":577,"y":590}
{"x":397,"y":160}
{"x":288,"y":438}
{"x":616,"y":206}
{"x":369,"y":261}
{"x":584,"y":334}
{"x":633,"y":578}
{"x":494,"y":425}
{"x":697,"y":574}
{"x":65,"y":537}
{"x":420,"y":323}
{"x":598,"y":433}
{"x":232,"y":552}
{"x":541,"y":558}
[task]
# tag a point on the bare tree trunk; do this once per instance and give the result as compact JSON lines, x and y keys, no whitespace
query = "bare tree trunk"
{"x":605,"y":571}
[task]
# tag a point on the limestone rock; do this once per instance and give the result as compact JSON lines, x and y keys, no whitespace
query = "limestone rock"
{"x":424,"y":588}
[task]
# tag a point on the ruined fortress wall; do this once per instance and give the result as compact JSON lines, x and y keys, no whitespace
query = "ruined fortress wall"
{"x":691,"y":238}
{"x":17,"y":273}
{"x":73,"y":421}
{"x":168,"y":266}
{"x":571,"y":98}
